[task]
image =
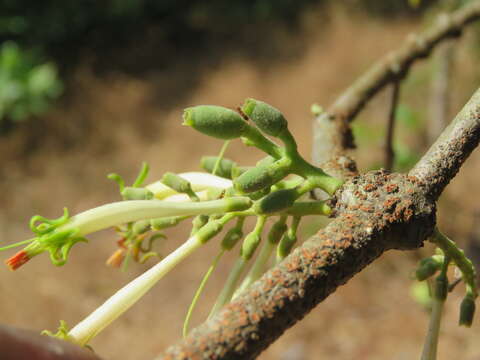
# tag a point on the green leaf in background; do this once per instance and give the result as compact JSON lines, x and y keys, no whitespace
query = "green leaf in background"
{"x":408,"y":117}
{"x":405,"y":158}
{"x":27,"y":86}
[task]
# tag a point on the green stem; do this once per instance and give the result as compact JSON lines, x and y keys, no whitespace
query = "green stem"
{"x":457,"y":255}
{"x":230,"y":285}
{"x":438,"y":301}
{"x":199,"y":291}
{"x":263,"y":143}
{"x":258,"y":268}
{"x":220,"y":157}
{"x":20,"y":243}
{"x":430,"y":347}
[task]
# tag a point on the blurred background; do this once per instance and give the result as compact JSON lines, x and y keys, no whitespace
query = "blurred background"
{"x":93,"y":87}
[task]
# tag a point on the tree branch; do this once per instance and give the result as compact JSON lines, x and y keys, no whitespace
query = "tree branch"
{"x":439,"y":103}
{"x":332,"y":133}
{"x":443,"y":160}
{"x":389,"y":152}
{"x":374,"y":212}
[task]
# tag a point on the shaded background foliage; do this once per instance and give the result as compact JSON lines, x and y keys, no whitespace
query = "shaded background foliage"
{"x":128,"y":68}
{"x":159,"y":33}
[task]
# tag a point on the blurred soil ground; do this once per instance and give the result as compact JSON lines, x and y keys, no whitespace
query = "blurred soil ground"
{"x":113,"y":121}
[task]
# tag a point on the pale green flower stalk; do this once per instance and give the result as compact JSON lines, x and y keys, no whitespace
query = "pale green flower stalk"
{"x":230,"y":285}
{"x":440,"y":291}
{"x":258,"y":268}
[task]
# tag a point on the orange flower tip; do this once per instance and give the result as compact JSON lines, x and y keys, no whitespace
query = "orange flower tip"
{"x":121,"y":242}
{"x":17,"y":260}
{"x":116,"y":258}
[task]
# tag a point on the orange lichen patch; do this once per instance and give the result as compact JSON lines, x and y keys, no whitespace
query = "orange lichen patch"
{"x":308,"y":255}
{"x":255,"y":317}
{"x":408,"y":213}
{"x":369,"y":187}
{"x":367,"y":208}
{"x":390,"y":203}
{"x":17,"y":260}
{"x":391,"y":188}
{"x":412,"y":179}
{"x":292,"y":266}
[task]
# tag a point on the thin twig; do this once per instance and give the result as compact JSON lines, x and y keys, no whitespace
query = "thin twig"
{"x":389,"y":153}
{"x":445,"y":157}
{"x":440,"y":90}
{"x":332,"y":133}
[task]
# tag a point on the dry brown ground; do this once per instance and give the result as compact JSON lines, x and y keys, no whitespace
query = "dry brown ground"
{"x":116,"y":121}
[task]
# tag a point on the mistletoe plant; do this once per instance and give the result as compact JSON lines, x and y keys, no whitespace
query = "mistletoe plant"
{"x":226,"y":193}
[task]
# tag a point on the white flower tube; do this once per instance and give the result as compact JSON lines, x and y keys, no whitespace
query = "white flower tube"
{"x":123,"y":299}
{"x":122,"y":212}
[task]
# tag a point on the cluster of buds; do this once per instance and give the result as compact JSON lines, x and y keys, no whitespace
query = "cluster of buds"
{"x":449,"y":254}
{"x":225,"y":193}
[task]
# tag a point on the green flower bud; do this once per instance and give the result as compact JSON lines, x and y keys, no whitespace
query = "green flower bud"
{"x":198,"y":222}
{"x":266,"y":161}
{"x":141,"y":227}
{"x":286,"y":245}
{"x":277,"y":231}
{"x":166,"y":222}
{"x":209,"y":230}
{"x":467,"y":311}
{"x":427,"y":268}
{"x":249,"y":245}
{"x":316,"y":109}
{"x":259,"y":177}
{"x":215,"y":121}
{"x":276,"y":201}
{"x":239,"y":170}
{"x":134,"y":193}
{"x":224,"y":168}
{"x":268,"y":119}
{"x":259,"y":194}
{"x":303,"y":208}
{"x":238,"y":203}
{"x":441,"y":288}
{"x":231,"y":238}
{"x":176,"y":182}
